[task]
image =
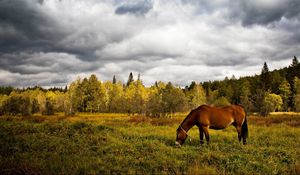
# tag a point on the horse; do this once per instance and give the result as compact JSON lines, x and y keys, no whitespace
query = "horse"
{"x":209,"y":117}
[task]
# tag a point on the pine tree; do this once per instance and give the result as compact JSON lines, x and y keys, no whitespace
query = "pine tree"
{"x":139,"y":77}
{"x":114,"y":80}
{"x":192,"y":85}
{"x":265,"y":77}
{"x":130,"y":79}
{"x":295,"y":62}
{"x":296,"y":95}
{"x":292,"y":72}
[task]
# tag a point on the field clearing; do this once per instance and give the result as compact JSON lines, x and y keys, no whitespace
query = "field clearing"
{"x":122,"y":144}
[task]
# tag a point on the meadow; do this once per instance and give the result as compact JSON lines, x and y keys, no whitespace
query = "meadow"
{"x":122,"y":144}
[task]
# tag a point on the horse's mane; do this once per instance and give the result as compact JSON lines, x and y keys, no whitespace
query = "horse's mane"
{"x":192,"y":111}
{"x":185,"y":119}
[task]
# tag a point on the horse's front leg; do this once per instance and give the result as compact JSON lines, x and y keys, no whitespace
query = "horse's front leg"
{"x":201,"y":135}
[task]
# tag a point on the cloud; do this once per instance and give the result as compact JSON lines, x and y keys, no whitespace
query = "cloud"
{"x":134,"y":7}
{"x":41,"y":68}
{"x":50,"y":43}
{"x":268,"y":11}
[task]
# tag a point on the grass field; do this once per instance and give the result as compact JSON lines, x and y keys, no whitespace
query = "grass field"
{"x":121,"y":144}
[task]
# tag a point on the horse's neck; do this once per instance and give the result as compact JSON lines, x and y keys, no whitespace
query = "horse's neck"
{"x":188,"y":123}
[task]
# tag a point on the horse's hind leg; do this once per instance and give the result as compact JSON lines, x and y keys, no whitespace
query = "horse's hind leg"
{"x":205,"y":129}
{"x":239,"y":131}
{"x":244,"y":141}
{"x":201,"y":135}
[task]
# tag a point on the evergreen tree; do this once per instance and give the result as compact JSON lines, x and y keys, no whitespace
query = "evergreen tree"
{"x":295,"y":62}
{"x":6,"y":90}
{"x":130,"y":79}
{"x":292,"y":72}
{"x":265,"y":77}
{"x":66,"y":88}
{"x":259,"y":102}
{"x":233,"y":77}
{"x":192,"y":85}
{"x":277,"y":79}
{"x":114,"y":80}
{"x":296,"y":95}
{"x":139,"y":77}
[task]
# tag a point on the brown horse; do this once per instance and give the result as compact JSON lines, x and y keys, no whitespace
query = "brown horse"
{"x":206,"y":117}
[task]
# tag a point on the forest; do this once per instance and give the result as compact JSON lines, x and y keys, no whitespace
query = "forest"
{"x":277,"y":90}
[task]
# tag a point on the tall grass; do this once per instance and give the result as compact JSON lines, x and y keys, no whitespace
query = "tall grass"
{"x":121,"y":144}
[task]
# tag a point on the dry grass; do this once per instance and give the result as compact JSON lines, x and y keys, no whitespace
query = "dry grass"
{"x":122,"y":144}
{"x":164,"y":121}
{"x":288,"y":119}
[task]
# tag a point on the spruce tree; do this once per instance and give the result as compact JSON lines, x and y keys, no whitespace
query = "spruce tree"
{"x":130,"y":79}
{"x":139,"y":77}
{"x":114,"y":80}
{"x":295,"y":62}
{"x":265,"y":77}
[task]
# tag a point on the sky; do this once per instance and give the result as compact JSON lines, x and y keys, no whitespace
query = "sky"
{"x":53,"y":42}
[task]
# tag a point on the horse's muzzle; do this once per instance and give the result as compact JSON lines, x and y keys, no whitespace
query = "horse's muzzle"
{"x":177,"y":144}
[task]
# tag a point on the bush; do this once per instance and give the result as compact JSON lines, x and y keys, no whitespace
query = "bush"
{"x":17,"y":104}
{"x":273,"y":102}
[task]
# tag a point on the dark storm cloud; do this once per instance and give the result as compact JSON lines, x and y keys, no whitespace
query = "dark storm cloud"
{"x":23,"y":27}
{"x":51,"y":62}
{"x":261,"y":12}
{"x":134,"y":7}
{"x":266,"y":12}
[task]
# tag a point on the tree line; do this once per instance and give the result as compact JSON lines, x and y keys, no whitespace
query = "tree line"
{"x":277,"y":90}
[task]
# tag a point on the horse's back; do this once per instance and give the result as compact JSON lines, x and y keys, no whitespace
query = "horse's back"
{"x":219,"y":118}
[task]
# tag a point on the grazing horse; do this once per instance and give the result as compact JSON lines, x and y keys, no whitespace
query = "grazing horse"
{"x":206,"y":117}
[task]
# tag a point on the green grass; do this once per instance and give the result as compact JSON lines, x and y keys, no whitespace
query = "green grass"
{"x":119,"y":144}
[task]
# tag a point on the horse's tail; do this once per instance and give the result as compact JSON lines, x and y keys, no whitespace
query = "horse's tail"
{"x":245,"y":128}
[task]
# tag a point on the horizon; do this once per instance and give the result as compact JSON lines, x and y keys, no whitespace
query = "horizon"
{"x":51,"y":43}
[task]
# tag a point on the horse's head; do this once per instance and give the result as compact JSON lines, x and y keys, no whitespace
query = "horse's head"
{"x":181,"y":136}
